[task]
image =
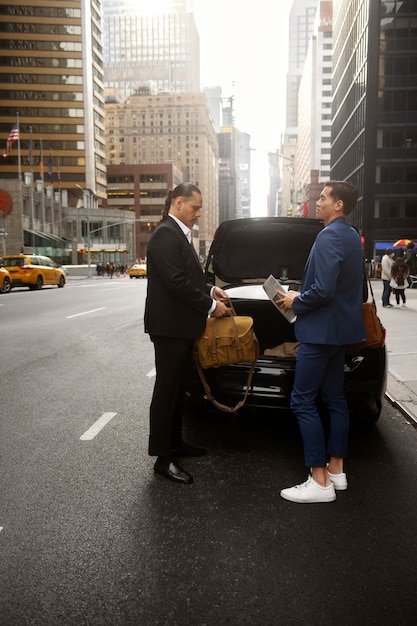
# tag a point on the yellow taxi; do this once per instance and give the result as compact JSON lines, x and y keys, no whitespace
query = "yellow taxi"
{"x":138,"y":270}
{"x":5,"y":280}
{"x":33,"y":271}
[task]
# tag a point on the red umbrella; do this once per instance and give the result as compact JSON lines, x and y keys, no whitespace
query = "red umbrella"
{"x":401,"y":243}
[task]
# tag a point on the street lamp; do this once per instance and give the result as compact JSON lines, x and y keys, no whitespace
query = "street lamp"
{"x":88,"y":207}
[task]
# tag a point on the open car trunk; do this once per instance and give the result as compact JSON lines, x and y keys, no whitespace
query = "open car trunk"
{"x":243,"y":254}
{"x":274,"y":375}
{"x":271,"y":328}
{"x":273,"y":378}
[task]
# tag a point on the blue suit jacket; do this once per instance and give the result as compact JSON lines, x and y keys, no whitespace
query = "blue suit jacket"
{"x":329,"y":309}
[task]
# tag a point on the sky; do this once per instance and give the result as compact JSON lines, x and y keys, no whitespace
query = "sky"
{"x":244,"y":50}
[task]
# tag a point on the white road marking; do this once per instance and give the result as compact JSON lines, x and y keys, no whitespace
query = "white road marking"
{"x":85,"y":312}
{"x":1,"y":528}
{"x":151,"y":373}
{"x":97,"y":426}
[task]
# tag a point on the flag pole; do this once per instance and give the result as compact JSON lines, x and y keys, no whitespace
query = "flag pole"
{"x":19,"y":173}
{"x":32,"y":176}
{"x":42,"y":182}
{"x":19,"y":162}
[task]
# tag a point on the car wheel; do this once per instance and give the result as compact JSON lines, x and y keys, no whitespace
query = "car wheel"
{"x":39,"y":283}
{"x":7,"y":285}
{"x":131,"y":277}
{"x":61,"y":282}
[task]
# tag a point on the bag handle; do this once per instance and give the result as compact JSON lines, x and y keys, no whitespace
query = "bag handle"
{"x":209,"y":396}
{"x":368,"y":281}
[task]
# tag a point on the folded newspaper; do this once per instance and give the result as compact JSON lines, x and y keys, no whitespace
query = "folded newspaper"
{"x":275,"y":292}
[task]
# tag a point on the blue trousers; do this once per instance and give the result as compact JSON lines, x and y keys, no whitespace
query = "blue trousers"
{"x":320,"y":368}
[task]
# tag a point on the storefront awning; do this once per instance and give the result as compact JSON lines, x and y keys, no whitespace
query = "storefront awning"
{"x":383,"y":245}
{"x":38,"y":233}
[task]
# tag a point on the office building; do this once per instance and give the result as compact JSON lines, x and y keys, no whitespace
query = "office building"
{"x":168,"y":128}
{"x":312,"y":162}
{"x":300,"y":28}
{"x":301,"y":25}
{"x":52,"y":76}
{"x":152,"y":46}
{"x":51,"y":81}
{"x":374,"y":115}
{"x":142,"y":189}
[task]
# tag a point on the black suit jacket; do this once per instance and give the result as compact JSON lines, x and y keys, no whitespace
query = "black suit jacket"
{"x":178,"y":299}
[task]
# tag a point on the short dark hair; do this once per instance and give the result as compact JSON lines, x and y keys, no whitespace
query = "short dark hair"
{"x":185,"y":190}
{"x":344,"y":191}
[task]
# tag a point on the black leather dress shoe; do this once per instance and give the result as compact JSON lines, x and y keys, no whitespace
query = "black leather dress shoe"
{"x":166,"y":466}
{"x":184,"y":449}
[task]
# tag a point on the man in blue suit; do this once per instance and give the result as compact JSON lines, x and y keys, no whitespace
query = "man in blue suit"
{"x":329,"y":317}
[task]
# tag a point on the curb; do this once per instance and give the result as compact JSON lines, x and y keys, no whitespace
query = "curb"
{"x":406,"y":405}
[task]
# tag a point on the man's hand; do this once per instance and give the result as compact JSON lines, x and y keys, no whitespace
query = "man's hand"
{"x":221,"y":310}
{"x":286,"y":301}
{"x":220,"y":294}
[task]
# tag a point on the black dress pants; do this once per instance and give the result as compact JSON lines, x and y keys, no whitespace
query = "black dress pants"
{"x":173,"y":358}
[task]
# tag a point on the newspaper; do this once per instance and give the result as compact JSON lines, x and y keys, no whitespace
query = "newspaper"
{"x":275,"y":291}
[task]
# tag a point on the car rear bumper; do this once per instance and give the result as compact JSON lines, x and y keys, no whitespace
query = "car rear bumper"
{"x":272,"y":383}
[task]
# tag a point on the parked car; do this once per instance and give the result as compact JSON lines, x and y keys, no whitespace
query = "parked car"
{"x":243,"y":254}
{"x":5,"y":280}
{"x":33,"y":271}
{"x":138,"y":270}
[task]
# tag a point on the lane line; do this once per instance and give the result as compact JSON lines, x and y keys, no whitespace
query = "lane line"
{"x":85,"y":312}
{"x":97,"y":426}
{"x":151,"y":373}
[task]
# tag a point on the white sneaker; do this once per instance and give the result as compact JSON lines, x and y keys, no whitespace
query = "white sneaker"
{"x":339,"y":481}
{"x":403,"y":305}
{"x":396,"y":306}
{"x":309,"y":492}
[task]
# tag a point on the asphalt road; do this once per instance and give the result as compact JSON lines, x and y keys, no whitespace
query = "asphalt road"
{"x":89,"y":536}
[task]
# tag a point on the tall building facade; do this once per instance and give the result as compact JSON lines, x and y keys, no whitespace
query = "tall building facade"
{"x":312,"y":163}
{"x":301,"y":26}
{"x":52,"y":76}
{"x":156,"y":47}
{"x":168,"y":128}
{"x":374,"y":115}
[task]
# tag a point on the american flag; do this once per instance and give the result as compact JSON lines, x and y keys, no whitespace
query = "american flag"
{"x":13,"y":136}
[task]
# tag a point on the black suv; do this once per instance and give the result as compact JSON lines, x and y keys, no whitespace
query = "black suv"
{"x":243,"y":254}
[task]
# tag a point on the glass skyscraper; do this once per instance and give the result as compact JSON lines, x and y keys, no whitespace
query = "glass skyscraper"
{"x":374,"y":115}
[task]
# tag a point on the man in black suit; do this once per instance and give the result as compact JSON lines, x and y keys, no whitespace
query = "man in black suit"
{"x":178,"y":303}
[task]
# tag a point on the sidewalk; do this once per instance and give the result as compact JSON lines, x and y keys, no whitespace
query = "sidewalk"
{"x":401,"y":343}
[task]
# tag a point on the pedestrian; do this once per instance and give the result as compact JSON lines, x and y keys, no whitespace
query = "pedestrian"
{"x":329,"y":317}
{"x":410,"y":259}
{"x":398,"y":282}
{"x":177,"y":305}
{"x":386,"y":265}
